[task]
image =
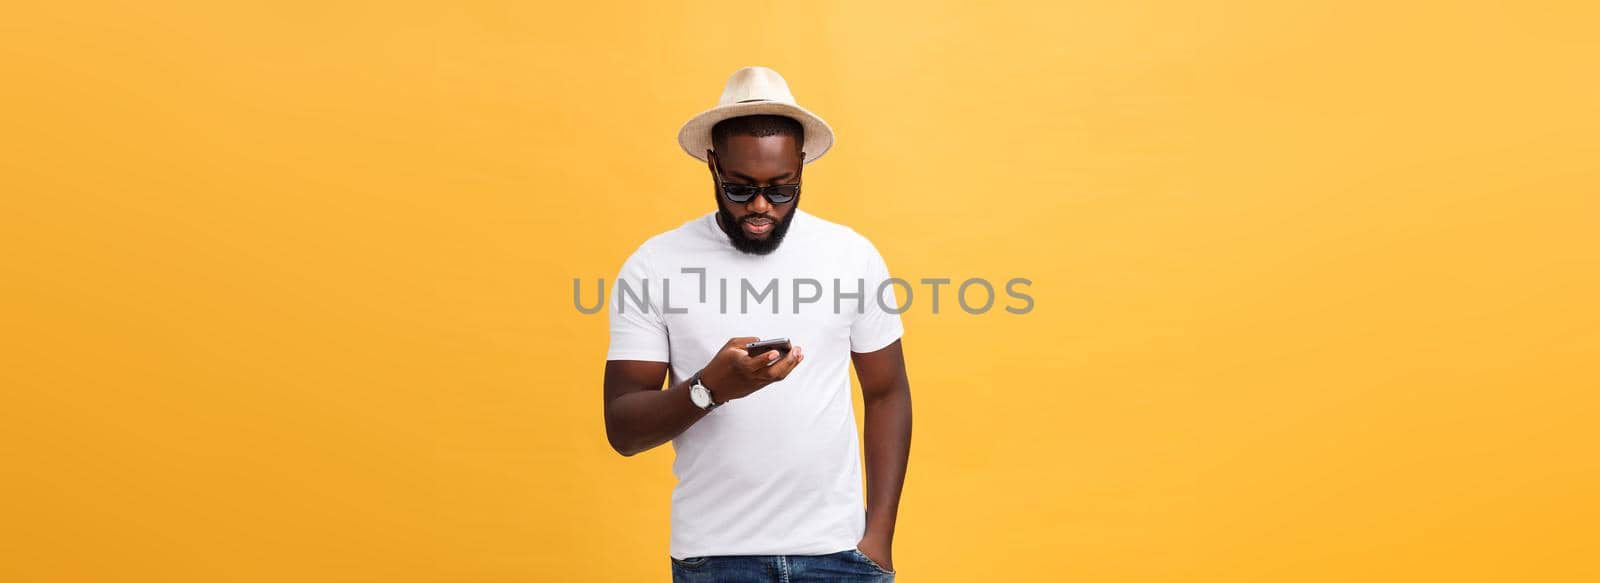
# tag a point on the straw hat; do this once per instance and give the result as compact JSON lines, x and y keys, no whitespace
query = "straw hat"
{"x":755,"y":91}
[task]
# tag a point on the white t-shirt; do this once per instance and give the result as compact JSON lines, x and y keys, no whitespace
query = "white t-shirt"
{"x":777,"y":472}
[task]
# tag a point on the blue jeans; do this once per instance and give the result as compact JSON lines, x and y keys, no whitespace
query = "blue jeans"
{"x":850,"y":566}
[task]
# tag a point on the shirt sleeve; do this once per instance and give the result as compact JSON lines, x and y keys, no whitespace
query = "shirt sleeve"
{"x":638,"y":331}
{"x":876,"y":326}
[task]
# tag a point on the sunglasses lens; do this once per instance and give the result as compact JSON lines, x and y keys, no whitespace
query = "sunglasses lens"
{"x":783,"y":193}
{"x":738,"y":193}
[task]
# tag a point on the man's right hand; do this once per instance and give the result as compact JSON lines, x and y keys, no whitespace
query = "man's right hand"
{"x":733,"y":373}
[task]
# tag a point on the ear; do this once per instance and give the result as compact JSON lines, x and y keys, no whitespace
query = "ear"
{"x":710,"y":166}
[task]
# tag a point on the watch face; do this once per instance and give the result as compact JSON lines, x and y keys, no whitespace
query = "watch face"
{"x":700,"y":396}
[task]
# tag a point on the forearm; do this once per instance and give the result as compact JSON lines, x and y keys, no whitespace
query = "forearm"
{"x":641,"y":420}
{"x":888,"y":448}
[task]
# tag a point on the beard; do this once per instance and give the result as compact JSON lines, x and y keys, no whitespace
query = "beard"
{"x":741,"y":241}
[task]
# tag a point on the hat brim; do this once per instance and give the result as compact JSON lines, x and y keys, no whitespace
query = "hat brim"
{"x":695,"y":136}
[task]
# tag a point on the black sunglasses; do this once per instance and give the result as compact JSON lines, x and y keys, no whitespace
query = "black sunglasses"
{"x":742,"y":193}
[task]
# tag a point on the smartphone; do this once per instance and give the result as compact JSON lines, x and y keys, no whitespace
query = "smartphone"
{"x":779,"y":344}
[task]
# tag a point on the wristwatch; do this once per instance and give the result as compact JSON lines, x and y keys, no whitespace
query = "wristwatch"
{"x":701,"y":395}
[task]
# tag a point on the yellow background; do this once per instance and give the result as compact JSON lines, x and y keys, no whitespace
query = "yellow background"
{"x":287,"y":285}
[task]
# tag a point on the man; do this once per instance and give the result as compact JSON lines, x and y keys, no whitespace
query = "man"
{"x":767,"y":461}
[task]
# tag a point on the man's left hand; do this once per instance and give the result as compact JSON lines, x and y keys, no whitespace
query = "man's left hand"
{"x":877,"y":549}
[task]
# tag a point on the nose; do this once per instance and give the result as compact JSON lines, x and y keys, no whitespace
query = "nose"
{"x":759,"y":204}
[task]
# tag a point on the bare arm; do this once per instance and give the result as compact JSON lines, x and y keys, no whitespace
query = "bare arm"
{"x":887,"y":393}
{"x":640,"y":416}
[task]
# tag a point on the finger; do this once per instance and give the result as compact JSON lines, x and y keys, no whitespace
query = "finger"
{"x":763,"y":360}
{"x":736,"y":346}
{"x":782,"y":368}
{"x":780,"y":371}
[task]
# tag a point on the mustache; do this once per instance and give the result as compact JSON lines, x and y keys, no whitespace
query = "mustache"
{"x":769,"y":218}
